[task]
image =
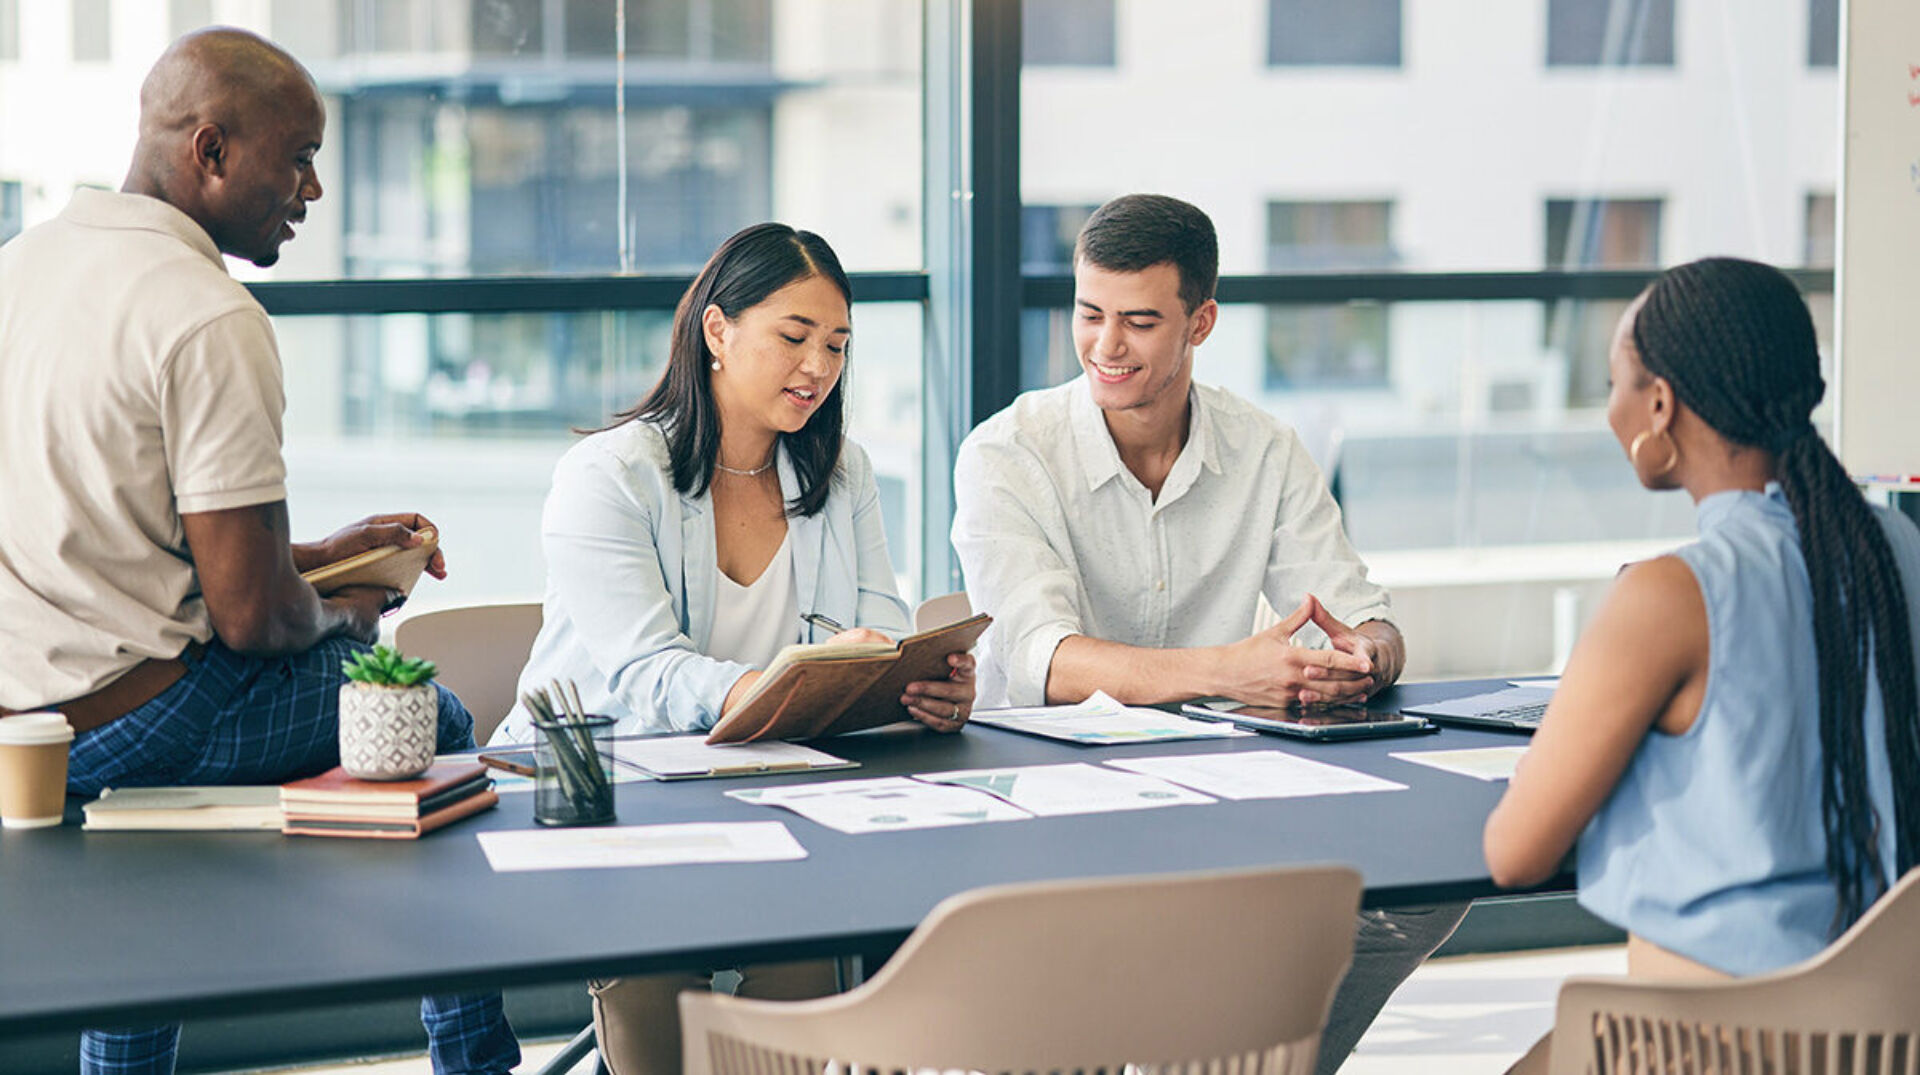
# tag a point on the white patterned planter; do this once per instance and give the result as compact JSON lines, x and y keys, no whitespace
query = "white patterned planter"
{"x":388,"y":733}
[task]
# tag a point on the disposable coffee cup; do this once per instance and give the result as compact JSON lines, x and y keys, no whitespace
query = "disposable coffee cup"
{"x":33,"y":769}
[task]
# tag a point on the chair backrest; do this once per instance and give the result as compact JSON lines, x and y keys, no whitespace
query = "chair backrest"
{"x":480,"y":650}
{"x":1854,"y":1009}
{"x":1231,"y":967}
{"x":940,"y":611}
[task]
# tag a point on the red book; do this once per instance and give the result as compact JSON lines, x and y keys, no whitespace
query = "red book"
{"x":444,"y":782}
{"x":398,"y":828}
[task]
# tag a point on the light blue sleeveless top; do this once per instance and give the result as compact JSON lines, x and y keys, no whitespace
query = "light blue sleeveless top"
{"x":1711,"y":846}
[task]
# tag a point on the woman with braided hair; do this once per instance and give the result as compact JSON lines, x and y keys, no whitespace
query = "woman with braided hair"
{"x":1734,"y":742}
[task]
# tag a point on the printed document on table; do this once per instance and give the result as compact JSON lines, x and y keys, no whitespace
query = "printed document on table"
{"x":671,"y":757}
{"x":1256,"y":774}
{"x":1074,"y":788}
{"x":1481,"y":763}
{"x":506,"y":783}
{"x":639,"y":845}
{"x":1101,"y":721}
{"x":884,"y":804}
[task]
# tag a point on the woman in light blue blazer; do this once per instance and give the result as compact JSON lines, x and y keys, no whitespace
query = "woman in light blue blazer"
{"x":723,"y":517}
{"x":726,"y":515}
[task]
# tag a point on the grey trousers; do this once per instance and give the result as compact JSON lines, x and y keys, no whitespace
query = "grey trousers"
{"x":1386,"y":948}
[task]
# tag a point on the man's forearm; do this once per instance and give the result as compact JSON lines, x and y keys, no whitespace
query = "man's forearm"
{"x":1134,"y":675}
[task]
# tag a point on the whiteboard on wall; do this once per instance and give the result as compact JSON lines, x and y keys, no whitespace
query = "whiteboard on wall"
{"x":1877,"y":363}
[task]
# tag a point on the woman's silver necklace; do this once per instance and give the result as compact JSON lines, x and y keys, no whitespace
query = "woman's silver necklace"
{"x":738,"y":473}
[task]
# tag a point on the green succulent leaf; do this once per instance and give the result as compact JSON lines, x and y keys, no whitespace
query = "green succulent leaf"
{"x":384,"y":666}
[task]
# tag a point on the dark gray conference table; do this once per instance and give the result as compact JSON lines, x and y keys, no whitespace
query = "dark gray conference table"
{"x":104,"y":928}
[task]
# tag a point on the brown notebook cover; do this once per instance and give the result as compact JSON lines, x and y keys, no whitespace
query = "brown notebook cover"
{"x":814,"y":698}
{"x":335,"y":786}
{"x":319,"y":824}
{"x":389,"y":565}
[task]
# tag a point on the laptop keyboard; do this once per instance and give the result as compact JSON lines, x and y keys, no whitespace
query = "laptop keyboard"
{"x":1528,"y":714}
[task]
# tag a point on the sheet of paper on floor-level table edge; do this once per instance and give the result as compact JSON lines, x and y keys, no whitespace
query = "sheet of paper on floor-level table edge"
{"x":639,"y":845}
{"x":884,"y":804}
{"x":1481,"y":763}
{"x":1256,"y":774}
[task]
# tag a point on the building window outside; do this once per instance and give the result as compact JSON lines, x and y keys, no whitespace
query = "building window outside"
{"x":1823,"y":33}
{"x":1595,"y":233}
{"x":9,"y":30}
{"x":1610,"y":33}
{"x":12,"y":217}
{"x":1047,"y":234}
{"x":92,"y":36}
{"x":1333,"y":33}
{"x":187,"y":15}
{"x":1341,"y":345}
{"x":1067,"y":33}
{"x":1822,"y":220}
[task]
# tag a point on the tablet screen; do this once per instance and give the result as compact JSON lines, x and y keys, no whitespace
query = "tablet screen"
{"x":1325,"y":717}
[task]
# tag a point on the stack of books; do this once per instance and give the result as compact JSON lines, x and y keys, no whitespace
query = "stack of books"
{"x":335,"y":804}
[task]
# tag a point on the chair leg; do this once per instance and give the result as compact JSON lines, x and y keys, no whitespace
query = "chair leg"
{"x":564,"y":1060}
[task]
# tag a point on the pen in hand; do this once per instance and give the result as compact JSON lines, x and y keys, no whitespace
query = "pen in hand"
{"x":825,"y":623}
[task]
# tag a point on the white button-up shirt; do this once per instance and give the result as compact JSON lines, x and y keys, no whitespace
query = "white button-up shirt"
{"x":1058,"y":538}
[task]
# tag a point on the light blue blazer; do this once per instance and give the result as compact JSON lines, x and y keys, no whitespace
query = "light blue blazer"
{"x":632,"y":574}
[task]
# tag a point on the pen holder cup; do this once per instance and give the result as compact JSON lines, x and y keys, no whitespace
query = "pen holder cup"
{"x":573,"y":772}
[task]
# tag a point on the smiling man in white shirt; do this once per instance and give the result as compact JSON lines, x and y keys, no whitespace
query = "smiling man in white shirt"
{"x":1122,"y":528}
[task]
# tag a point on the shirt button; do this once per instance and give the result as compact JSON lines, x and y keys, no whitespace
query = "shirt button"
{"x":1159,"y":584}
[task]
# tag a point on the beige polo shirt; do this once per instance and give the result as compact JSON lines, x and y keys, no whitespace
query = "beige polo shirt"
{"x":138,"y":381}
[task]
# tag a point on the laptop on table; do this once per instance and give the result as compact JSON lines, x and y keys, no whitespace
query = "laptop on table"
{"x":1514,"y":709}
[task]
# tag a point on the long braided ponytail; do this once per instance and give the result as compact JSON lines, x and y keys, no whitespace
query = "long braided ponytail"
{"x":1736,"y":342}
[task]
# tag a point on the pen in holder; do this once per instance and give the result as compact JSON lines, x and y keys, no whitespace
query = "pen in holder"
{"x":572,"y":760}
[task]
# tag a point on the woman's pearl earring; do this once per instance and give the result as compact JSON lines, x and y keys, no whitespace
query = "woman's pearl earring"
{"x":716,"y":365}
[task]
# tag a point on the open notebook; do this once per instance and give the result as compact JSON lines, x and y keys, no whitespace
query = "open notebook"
{"x":829,"y":688}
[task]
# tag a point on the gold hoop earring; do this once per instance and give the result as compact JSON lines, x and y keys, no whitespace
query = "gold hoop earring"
{"x":1640,"y":440}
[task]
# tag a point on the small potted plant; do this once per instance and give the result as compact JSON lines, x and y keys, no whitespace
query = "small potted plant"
{"x":389,"y":715}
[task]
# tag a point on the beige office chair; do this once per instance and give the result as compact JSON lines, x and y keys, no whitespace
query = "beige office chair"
{"x":480,"y":650}
{"x":940,"y":611}
{"x":1854,"y":1009}
{"x":1238,"y":968}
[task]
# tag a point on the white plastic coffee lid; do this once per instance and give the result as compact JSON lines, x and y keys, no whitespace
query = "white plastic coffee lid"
{"x":35,"y":729}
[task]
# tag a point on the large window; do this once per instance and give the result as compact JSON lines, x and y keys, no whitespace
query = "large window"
{"x":1610,"y":33}
{"x":1333,"y":33}
{"x":1426,"y":231}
